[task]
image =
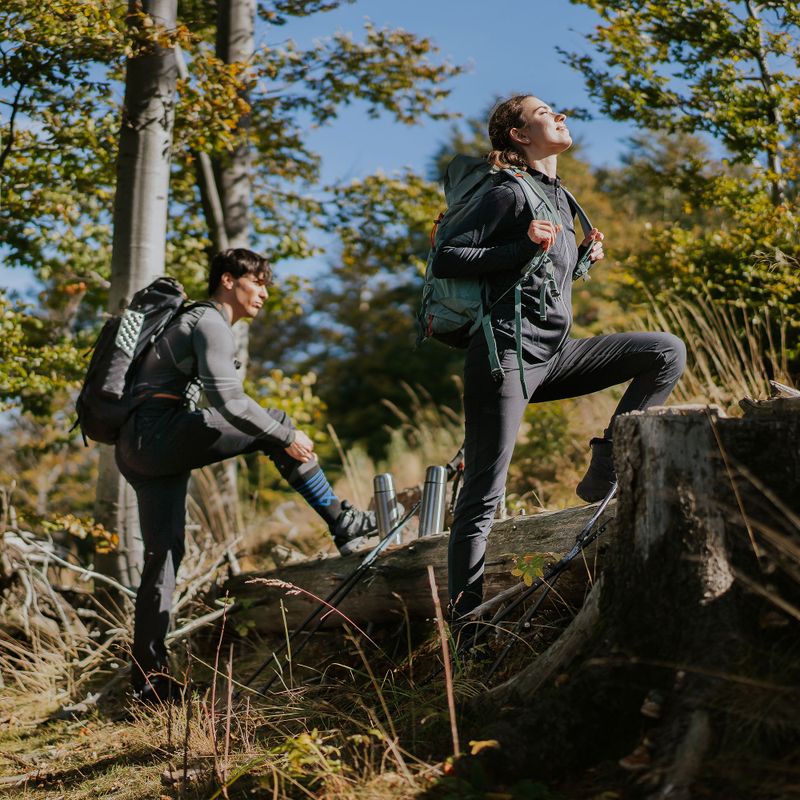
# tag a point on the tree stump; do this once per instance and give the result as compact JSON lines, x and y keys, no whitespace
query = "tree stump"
{"x":685,"y":652}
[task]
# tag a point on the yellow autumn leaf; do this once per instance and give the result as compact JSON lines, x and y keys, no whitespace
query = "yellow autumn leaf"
{"x":486,"y":744}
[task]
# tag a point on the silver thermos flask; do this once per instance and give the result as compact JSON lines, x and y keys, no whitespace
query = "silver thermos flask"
{"x":386,"y":511}
{"x":431,"y":515}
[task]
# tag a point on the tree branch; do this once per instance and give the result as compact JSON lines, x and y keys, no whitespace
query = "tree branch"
{"x":87,"y":573}
{"x":209,"y":192}
{"x":14,"y":109}
{"x":774,"y":112}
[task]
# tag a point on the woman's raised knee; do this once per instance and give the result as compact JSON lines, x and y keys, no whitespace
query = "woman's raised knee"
{"x":673,"y":351}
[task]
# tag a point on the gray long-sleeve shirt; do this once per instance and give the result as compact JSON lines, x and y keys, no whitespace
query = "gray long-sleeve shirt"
{"x":199,"y":345}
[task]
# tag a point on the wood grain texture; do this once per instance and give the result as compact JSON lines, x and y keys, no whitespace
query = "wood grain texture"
{"x":398,"y":578}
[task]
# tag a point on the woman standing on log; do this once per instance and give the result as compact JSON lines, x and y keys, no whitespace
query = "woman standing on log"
{"x":528,"y":135}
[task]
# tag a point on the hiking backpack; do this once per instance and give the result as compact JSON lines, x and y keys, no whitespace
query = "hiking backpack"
{"x":106,"y":401}
{"x":453,"y":309}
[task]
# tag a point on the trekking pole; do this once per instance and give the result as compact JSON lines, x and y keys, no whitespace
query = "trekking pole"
{"x":581,"y":540}
{"x":331,"y":601}
{"x":456,"y":463}
{"x":346,"y":587}
{"x":455,"y":471}
{"x":584,"y":538}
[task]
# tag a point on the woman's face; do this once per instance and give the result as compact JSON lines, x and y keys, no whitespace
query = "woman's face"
{"x":542,"y":129}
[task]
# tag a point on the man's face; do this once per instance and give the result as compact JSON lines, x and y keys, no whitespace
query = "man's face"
{"x":249,"y":294}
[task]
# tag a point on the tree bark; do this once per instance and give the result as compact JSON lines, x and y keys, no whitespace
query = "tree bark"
{"x":699,"y":601}
{"x":138,"y":251}
{"x":236,"y":44}
{"x":775,"y":117}
{"x":236,"y":21}
{"x":398,"y":579}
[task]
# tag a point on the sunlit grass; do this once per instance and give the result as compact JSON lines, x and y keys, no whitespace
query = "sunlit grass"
{"x":732,"y":354}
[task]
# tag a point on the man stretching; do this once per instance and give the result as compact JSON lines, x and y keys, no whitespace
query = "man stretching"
{"x":165,"y":439}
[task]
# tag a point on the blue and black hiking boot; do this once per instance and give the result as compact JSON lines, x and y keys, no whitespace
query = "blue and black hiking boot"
{"x":353,"y":528}
{"x":600,"y":476}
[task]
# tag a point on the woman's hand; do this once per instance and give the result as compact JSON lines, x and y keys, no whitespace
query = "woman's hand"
{"x":543,"y":232}
{"x":594,"y":241}
{"x":302,"y":448}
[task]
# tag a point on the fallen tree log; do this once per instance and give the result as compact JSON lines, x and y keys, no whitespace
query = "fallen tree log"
{"x":397,"y":582}
{"x":688,"y":638}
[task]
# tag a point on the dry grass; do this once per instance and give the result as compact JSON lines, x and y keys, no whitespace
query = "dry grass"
{"x":61,"y":650}
{"x":731,"y":354}
{"x":345,"y":739}
{"x":342,"y":740}
{"x":363,"y":727}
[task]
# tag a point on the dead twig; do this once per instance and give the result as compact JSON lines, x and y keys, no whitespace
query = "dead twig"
{"x":495,"y":602}
{"x":88,"y":574}
{"x":448,"y":676}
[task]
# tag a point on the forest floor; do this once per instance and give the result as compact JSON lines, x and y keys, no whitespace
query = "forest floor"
{"x":367,"y":719}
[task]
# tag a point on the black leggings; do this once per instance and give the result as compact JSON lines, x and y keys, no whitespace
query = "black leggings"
{"x":158,"y":448}
{"x":655,"y":362}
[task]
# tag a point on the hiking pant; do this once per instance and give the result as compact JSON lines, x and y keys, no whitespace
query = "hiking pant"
{"x":655,"y":362}
{"x":158,"y":448}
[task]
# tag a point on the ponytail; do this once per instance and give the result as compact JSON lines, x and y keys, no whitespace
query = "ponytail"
{"x":505,"y":116}
{"x":506,"y":158}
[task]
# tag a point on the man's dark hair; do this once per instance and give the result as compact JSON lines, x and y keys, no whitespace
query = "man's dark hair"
{"x":238,"y":262}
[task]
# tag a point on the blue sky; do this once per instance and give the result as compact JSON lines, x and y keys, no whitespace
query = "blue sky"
{"x":507,"y":50}
{"x":507,"y":47}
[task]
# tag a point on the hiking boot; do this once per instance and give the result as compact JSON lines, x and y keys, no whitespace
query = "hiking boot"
{"x":652,"y":704}
{"x":160,"y":689}
{"x":353,"y":528}
{"x":600,"y":476}
{"x":640,"y":759}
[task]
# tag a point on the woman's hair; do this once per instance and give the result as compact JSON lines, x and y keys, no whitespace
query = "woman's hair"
{"x":238,"y":262}
{"x":507,"y":114}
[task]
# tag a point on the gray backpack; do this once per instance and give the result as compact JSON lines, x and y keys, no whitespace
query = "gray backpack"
{"x":453,"y":309}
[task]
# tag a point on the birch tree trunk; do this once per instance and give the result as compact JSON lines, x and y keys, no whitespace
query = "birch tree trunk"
{"x":235,"y":44}
{"x":140,"y":223}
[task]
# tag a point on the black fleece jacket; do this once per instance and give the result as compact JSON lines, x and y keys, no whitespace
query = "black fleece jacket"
{"x":498,"y":248}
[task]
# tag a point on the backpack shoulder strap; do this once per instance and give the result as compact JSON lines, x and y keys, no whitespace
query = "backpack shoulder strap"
{"x":190,"y":305}
{"x":171,"y":319}
{"x":578,"y":212}
{"x":532,"y":191}
{"x":584,"y":264}
{"x":535,"y":196}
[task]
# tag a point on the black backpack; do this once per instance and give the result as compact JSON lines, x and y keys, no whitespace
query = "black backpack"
{"x":105,"y":401}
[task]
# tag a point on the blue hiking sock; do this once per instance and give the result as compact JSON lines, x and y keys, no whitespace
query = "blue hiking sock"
{"x":312,"y":484}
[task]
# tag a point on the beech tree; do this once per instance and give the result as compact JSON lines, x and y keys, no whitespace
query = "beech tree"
{"x":139,"y":225}
{"x":725,"y":71}
{"x":62,"y":67}
{"x":710,"y":66}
